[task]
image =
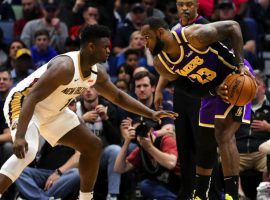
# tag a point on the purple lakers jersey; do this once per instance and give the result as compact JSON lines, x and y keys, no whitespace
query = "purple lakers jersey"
{"x":202,"y":69}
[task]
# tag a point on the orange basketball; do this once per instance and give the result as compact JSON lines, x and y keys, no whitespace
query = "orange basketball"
{"x":241,"y":88}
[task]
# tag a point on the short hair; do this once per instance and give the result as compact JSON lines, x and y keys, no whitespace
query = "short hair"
{"x":155,"y":23}
{"x":42,"y":32}
{"x":93,"y":33}
{"x":142,"y":74}
{"x":5,"y":69}
{"x":260,"y":76}
{"x":131,"y":52}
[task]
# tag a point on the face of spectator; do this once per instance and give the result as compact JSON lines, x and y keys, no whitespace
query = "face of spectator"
{"x":261,"y":89}
{"x":138,"y":17}
{"x":14,"y":48}
{"x":50,"y":13}
{"x":143,"y":89}
{"x":90,"y":95}
{"x":187,"y":10}
{"x":5,"y":81}
{"x":42,"y":42}
{"x":122,"y":85}
{"x":149,"y":5}
{"x":226,"y":12}
{"x":132,"y":60}
{"x":122,"y":75}
{"x":136,"y":41}
{"x":28,"y":5}
{"x":23,"y":63}
{"x":91,"y":15}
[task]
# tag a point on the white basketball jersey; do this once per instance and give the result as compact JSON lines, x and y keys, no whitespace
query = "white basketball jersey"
{"x":60,"y":98}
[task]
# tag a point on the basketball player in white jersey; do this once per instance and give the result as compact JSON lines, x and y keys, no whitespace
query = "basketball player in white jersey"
{"x":38,"y":104}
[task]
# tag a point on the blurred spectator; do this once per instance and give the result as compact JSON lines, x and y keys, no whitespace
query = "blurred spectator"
{"x":171,"y":14}
{"x":151,"y":10}
{"x":122,"y":84}
{"x":90,"y":13}
{"x":156,"y":159}
{"x":3,"y":49}
{"x":42,"y":52}
{"x":72,"y":44}
{"x":227,"y":11}
{"x":31,"y":10}
{"x":5,"y":136}
{"x":23,"y":65}
{"x":6,"y":11}
{"x":101,"y":117}
{"x":136,"y":42}
{"x":132,"y":23}
{"x":250,"y":136}
{"x":57,"y":29}
{"x":14,"y":46}
{"x":125,"y":72}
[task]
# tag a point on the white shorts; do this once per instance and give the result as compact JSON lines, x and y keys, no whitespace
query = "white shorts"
{"x":52,"y":129}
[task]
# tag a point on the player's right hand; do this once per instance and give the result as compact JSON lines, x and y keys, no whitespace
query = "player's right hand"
{"x":222,"y":91}
{"x":158,"y":100}
{"x":20,"y":147}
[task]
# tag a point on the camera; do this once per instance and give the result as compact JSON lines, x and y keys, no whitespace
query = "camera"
{"x":144,"y":127}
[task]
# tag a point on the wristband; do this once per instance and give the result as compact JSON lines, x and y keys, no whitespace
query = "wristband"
{"x":155,"y":133}
{"x":58,"y":171}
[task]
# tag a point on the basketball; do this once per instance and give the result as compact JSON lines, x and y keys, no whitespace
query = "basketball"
{"x":241,"y":89}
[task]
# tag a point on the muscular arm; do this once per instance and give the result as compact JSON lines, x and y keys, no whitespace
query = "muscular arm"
{"x":107,"y":89}
{"x":60,"y":72}
{"x":201,"y":36}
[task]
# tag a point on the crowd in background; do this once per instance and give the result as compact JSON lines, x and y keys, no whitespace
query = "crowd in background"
{"x":32,"y":32}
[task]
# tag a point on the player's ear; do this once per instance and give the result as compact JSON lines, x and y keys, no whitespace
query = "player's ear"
{"x":160,"y":32}
{"x":91,"y":46}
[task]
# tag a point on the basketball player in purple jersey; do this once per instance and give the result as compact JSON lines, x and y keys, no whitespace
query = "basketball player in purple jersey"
{"x":189,"y":56}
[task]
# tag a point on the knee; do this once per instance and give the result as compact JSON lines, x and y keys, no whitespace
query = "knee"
{"x":93,"y":146}
{"x":30,"y":154}
{"x":113,"y":150}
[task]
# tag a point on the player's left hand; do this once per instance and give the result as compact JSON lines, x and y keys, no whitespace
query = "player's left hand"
{"x":157,"y":115}
{"x":244,"y":70}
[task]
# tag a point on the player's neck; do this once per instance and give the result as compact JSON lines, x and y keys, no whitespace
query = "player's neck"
{"x":86,"y":61}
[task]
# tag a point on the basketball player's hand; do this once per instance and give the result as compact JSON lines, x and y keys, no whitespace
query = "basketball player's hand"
{"x":222,"y":91}
{"x":158,"y":100}
{"x":244,"y":70}
{"x":20,"y":147}
{"x":157,"y":115}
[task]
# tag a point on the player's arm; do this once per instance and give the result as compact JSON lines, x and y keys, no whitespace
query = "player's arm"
{"x":107,"y":89}
{"x":60,"y":72}
{"x":201,"y":36}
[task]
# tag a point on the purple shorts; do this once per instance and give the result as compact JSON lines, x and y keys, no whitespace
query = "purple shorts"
{"x":214,"y":107}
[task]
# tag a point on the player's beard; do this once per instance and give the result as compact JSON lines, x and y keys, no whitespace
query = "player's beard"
{"x":158,"y":48}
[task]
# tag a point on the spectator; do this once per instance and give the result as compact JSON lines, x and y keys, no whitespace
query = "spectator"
{"x":57,"y":29}
{"x":3,"y":49}
{"x":136,"y":42}
{"x":100,"y":116}
{"x":250,"y":136}
{"x":5,"y":136}
{"x":6,"y":11}
{"x":13,"y":48}
{"x":132,"y":23}
{"x":31,"y":10}
{"x":23,"y":65}
{"x":122,"y":84}
{"x":162,"y":181}
{"x":90,"y":13}
{"x":42,"y":52}
{"x":227,"y":11}
{"x":151,"y":10}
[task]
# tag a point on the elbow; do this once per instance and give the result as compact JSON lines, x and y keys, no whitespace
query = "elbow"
{"x":117,"y":169}
{"x":172,"y":163}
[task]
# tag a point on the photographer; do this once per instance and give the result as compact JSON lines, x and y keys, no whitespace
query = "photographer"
{"x":155,"y":158}
{"x":250,"y":136}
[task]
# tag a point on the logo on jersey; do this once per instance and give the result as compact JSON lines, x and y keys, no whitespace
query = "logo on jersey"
{"x":239,"y":112}
{"x":72,"y":91}
{"x":189,"y":54}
